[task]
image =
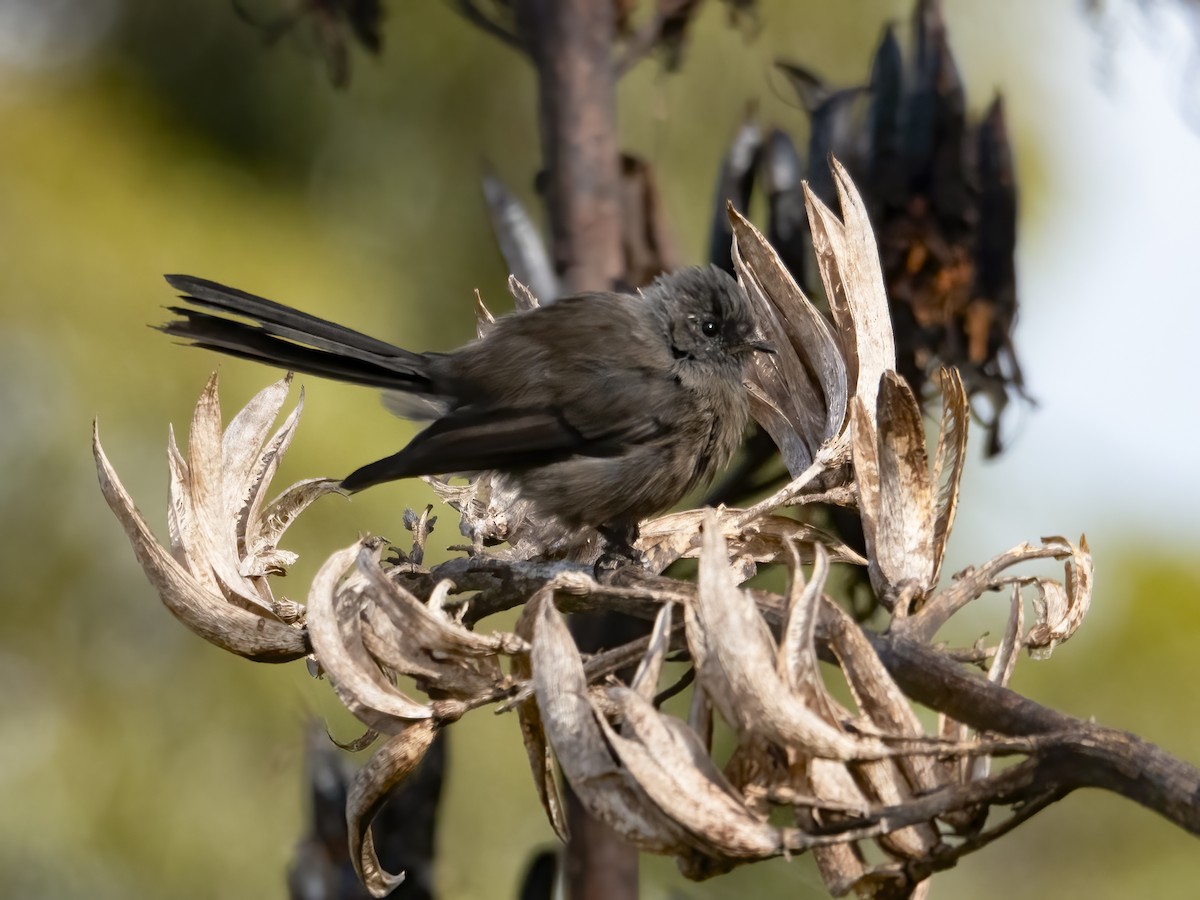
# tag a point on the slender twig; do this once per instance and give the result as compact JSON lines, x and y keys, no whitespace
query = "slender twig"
{"x":646,"y":38}
{"x":470,"y":11}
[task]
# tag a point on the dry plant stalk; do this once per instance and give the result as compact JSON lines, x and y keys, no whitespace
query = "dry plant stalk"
{"x":850,"y":431}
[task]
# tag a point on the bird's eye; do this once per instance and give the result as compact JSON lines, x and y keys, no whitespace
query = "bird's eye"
{"x":710,"y":327}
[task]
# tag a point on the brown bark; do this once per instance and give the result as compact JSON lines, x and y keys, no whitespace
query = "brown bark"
{"x":1082,"y":753}
{"x":571,"y":43}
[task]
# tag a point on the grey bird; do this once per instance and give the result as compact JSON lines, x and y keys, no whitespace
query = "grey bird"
{"x":601,"y":409}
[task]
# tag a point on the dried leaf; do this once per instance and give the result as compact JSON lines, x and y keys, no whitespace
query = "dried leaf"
{"x":279,"y":514}
{"x":883,"y":777}
{"x":484,"y":320}
{"x":876,"y":694}
{"x":520,"y":243}
{"x":645,"y":679}
{"x":203,"y":611}
{"x":668,"y":762}
{"x":578,"y":740}
{"x":533,"y":733}
{"x":797,"y":661}
{"x":904,"y":531}
{"x":522,"y":295}
{"x":387,"y":767}
{"x":338,"y":645}
{"x":989,"y":576}
{"x":806,"y":377}
{"x":400,"y":652}
{"x":215,"y":523}
{"x":700,"y":716}
{"x":242,"y":445}
{"x":848,"y":260}
{"x":1002,"y":667}
{"x":251,"y":520}
{"x":948,"y":462}
{"x":1063,"y":606}
{"x":885,"y":781}
{"x":865,"y":451}
{"x":734,"y":656}
{"x":763,"y":539}
{"x":186,"y":544}
{"x":866,"y":294}
{"x":1005,"y":660}
{"x":421,"y":639}
{"x":841,"y":865}
{"x":766,"y":384}
{"x":428,"y":627}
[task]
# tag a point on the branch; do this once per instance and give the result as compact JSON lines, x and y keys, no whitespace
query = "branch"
{"x":470,"y":11}
{"x":1081,"y":754}
{"x":1086,"y":755}
{"x":643,"y":42}
{"x":570,"y":42}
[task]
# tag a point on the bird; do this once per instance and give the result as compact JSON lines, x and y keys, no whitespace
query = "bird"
{"x":599,"y":409}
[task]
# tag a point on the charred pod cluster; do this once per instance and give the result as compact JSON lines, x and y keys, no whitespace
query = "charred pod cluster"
{"x":942,"y":197}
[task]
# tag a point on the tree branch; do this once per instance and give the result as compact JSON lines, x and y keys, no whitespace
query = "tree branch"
{"x":1081,"y":754}
{"x":1086,"y":755}
{"x":570,"y":42}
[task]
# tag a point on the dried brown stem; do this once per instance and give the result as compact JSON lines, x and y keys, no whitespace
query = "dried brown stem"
{"x":1084,"y":755}
{"x":1081,"y":753}
{"x":967,"y":586}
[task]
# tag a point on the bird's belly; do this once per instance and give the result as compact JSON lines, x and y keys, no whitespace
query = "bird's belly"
{"x":602,"y":490}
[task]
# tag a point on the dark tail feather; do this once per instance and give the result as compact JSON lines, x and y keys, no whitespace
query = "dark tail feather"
{"x":285,"y":337}
{"x":390,"y":468}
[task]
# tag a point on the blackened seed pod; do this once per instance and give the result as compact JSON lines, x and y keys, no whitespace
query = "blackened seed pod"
{"x":835,"y":127}
{"x":996,"y":241}
{"x":885,"y":123}
{"x":782,"y":177}
{"x":735,"y":184}
{"x":520,"y":243}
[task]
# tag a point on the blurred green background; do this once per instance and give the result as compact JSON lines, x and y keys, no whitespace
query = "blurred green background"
{"x":139,"y":137}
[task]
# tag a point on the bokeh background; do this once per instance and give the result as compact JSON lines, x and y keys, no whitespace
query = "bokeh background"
{"x":139,"y":137}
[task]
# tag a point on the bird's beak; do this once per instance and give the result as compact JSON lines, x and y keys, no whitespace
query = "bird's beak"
{"x":762,"y":346}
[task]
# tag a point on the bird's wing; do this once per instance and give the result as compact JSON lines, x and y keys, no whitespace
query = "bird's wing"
{"x":468,"y":441}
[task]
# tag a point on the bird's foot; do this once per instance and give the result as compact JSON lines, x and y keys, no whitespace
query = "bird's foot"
{"x":619,"y":551}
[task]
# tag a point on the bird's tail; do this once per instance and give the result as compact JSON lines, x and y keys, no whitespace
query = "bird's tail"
{"x":281,"y":336}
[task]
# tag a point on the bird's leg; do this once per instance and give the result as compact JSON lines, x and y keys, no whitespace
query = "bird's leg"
{"x":619,"y":550}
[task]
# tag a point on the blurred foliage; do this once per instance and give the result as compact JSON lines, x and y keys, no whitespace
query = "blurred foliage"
{"x":137,"y":761}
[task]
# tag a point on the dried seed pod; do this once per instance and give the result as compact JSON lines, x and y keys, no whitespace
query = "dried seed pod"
{"x":223,"y":535}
